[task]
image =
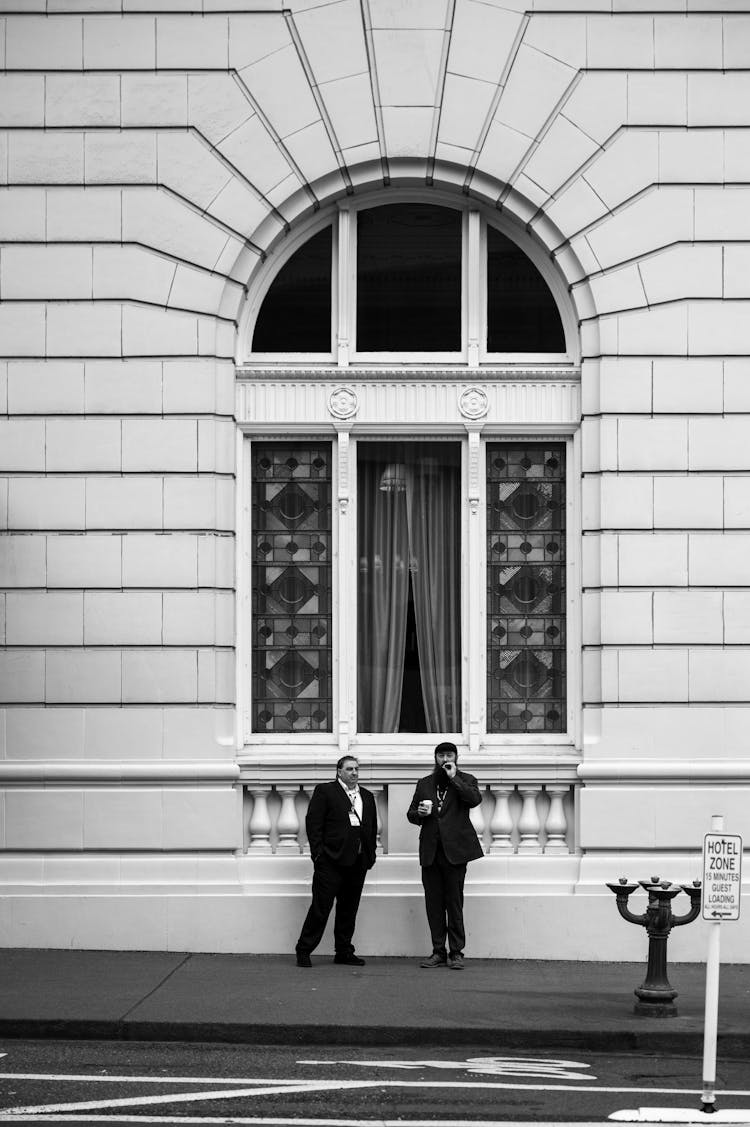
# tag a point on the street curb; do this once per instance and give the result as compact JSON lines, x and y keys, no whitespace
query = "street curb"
{"x":731,"y":1046}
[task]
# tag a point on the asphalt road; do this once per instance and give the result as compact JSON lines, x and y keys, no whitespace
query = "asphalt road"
{"x":138,"y":1082}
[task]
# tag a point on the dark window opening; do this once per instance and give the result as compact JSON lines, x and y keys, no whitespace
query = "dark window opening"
{"x":522,"y":315}
{"x":296,"y":312}
{"x":409,"y":279}
{"x":412,"y":717}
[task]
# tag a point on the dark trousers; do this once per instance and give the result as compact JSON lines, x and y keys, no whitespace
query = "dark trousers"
{"x":342,"y":883}
{"x":443,"y":885}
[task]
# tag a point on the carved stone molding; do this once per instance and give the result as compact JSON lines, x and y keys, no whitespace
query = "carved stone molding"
{"x":343,"y":402}
{"x":473,"y":402}
{"x":411,"y":374}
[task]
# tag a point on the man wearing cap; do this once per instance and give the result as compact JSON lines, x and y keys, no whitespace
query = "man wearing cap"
{"x":341,"y":824}
{"x":447,"y":842}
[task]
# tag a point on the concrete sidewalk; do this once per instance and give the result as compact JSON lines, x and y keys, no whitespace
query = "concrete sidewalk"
{"x":267,"y":999}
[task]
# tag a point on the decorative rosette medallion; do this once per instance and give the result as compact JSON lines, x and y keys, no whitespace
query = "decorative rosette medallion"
{"x":342,"y":402}
{"x":473,"y":402}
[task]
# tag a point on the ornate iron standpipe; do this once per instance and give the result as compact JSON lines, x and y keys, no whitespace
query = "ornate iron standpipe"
{"x":655,"y":994}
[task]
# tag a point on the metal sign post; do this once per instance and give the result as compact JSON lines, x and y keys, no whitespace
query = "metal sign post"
{"x":722,"y":880}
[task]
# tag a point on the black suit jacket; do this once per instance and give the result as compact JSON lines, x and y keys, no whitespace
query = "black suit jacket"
{"x":452,"y":828}
{"x":327,"y":824}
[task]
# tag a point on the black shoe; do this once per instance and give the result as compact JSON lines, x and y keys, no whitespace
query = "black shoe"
{"x":349,"y":960}
{"x":303,"y":959}
{"x":435,"y":960}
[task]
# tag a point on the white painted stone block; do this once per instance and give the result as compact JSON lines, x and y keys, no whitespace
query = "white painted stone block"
{"x":618,"y":289}
{"x":591,"y":618}
{"x":575,"y":208}
{"x":667,"y":91}
{"x":21,"y":100}
{"x":693,"y":155}
{"x":198,"y":387}
{"x":21,"y":676}
{"x":625,"y":385}
{"x":42,"y":618}
{"x":563,"y":150}
{"x":196,"y":290}
{"x":620,"y":41}
{"x":83,"y":444}
{"x":658,"y":219}
{"x":149,"y":332}
{"x":657,"y":560}
{"x":408,"y":64}
{"x":718,"y":99}
{"x":339,"y":24}
{"x":123,"y":818}
{"x":83,"y":330}
{"x":719,"y":443}
{"x":190,"y":168}
{"x":216,"y":562}
{"x":124,"y":502}
{"x":682,"y":272}
{"x":627,"y":618}
{"x":718,"y":674}
{"x":407,"y":130}
{"x":38,"y":158}
{"x":43,"y":819}
{"x":22,"y":215}
{"x":281,"y":88}
{"x":216,"y":104}
{"x":652,"y":443}
{"x":82,"y":99}
{"x":714,"y":324}
{"x":503,"y":148}
{"x":168,"y":560}
{"x":311,"y":150}
{"x":736,"y":618}
{"x":198,"y":733}
{"x":44,"y":733}
{"x":123,"y":733}
{"x":123,"y":387}
{"x":736,"y":271}
{"x":159,"y":676}
{"x":216,"y":446}
{"x":23,"y":561}
{"x":52,"y":387}
{"x":718,"y":560}
{"x":598,"y":105}
{"x":44,"y":43}
{"x":22,"y":329}
{"x":722,"y":213}
{"x":688,"y":502}
{"x":681,"y":43}
{"x":75,"y":214}
{"x":205,"y":502}
{"x":22,"y":444}
{"x":83,"y":676}
{"x":190,"y":618}
{"x":46,"y":503}
{"x":688,"y":385}
{"x":201,"y":818}
{"x":648,"y":675}
{"x":482,"y":38}
{"x":691,"y":617}
{"x":116,"y":42}
{"x":562,"y":36}
{"x":599,"y":562}
{"x":625,"y":167}
{"x":122,"y":618}
{"x":84,"y":561}
{"x":120,"y":157}
{"x":159,"y":445}
{"x":535,"y":85}
{"x":120,"y":273}
{"x":348,"y":102}
{"x":658,"y":331}
{"x":627,"y":501}
{"x":736,"y":156}
{"x":737,"y":384}
{"x":154,"y":99}
{"x":737,"y":502}
{"x":192,"y":41}
{"x":252,"y":149}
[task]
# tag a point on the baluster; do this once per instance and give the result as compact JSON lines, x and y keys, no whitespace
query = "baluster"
{"x":501,"y":823}
{"x":556,"y":825}
{"x":528,"y":823}
{"x":260,"y":822}
{"x":303,"y":801}
{"x":476,"y":814}
{"x":287,"y":825}
{"x":379,"y":795}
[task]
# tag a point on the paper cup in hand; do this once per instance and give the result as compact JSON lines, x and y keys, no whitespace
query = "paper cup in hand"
{"x":427,"y":804}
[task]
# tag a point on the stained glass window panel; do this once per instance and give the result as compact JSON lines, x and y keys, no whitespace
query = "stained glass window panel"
{"x":291,"y":552}
{"x":526,"y":587}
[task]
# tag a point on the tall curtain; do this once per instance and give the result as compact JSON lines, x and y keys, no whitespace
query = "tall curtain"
{"x":433,"y":507}
{"x":383,"y":601}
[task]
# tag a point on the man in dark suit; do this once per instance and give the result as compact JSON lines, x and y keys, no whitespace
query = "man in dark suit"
{"x":341,"y":825}
{"x":447,"y":842}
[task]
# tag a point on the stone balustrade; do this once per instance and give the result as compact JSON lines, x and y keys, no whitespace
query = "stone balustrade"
{"x":513,"y":819}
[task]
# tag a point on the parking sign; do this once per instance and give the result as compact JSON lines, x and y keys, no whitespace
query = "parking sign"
{"x":722,"y":876}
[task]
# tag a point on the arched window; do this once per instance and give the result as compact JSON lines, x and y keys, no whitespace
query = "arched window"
{"x":440,"y":605}
{"x":404,"y":283}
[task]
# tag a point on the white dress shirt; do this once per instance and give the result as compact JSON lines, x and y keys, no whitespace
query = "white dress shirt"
{"x":354,"y":797}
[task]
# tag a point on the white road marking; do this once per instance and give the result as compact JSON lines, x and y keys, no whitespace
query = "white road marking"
{"x":490,"y":1066}
{"x":679,"y":1115}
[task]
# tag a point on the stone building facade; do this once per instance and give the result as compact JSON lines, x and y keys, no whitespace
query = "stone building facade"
{"x":268,"y":270}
